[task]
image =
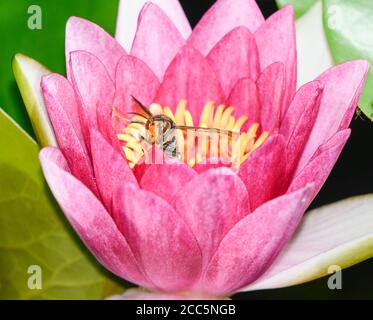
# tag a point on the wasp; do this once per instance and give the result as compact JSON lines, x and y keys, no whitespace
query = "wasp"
{"x":162,"y":130}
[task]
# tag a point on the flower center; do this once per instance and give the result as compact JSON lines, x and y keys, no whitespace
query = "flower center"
{"x":218,"y":135}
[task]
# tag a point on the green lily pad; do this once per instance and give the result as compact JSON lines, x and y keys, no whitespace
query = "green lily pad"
{"x":45,"y":45}
{"x":300,"y":6}
{"x":33,"y":231}
{"x":349,"y":30}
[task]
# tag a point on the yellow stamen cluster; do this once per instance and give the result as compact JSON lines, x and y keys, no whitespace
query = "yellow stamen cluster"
{"x":198,"y":147}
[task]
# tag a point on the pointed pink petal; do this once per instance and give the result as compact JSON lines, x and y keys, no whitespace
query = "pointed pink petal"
{"x":320,"y":166}
{"x":141,"y":294}
{"x":110,"y":167}
{"x":134,"y":78}
{"x":92,"y":222}
{"x":129,"y":11}
{"x":55,"y":155}
{"x":157,"y":40}
{"x":61,"y":89}
{"x":211,"y":204}
{"x":264,"y":171}
{"x":342,"y":87}
{"x":299,"y":120}
{"x":245,"y":98}
{"x":159,"y":238}
{"x":190,"y":77}
{"x":60,"y":99}
{"x":165,"y":180}
{"x":271,"y":89}
{"x":276,"y":43}
{"x":212,"y":163}
{"x":336,"y":234}
{"x":224,"y":16}
{"x":231,"y":64}
{"x":253,"y":243}
{"x":84,"y":35}
{"x":95,"y":93}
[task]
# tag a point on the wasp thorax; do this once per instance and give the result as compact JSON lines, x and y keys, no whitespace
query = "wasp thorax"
{"x":218,"y":135}
{"x":159,"y":124}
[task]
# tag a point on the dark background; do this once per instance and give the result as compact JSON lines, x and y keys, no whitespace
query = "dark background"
{"x":352,"y":175}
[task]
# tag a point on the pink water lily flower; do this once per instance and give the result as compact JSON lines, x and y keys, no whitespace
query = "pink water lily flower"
{"x":189,"y":227}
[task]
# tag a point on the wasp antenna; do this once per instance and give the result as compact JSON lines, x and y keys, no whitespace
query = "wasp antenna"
{"x":137,"y":114}
{"x":138,"y":122}
{"x":118,"y":115}
{"x":145,"y":109}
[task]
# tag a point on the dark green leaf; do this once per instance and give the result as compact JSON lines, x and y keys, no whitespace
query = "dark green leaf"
{"x":45,"y":45}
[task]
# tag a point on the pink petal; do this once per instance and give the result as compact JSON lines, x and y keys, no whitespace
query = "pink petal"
{"x":213,"y":163}
{"x":264,"y":171}
{"x":152,"y":156}
{"x":110,"y":167}
{"x":336,"y":234}
{"x":224,"y":16}
{"x":231,"y":63}
{"x":60,"y":88}
{"x":139,"y":170}
{"x":55,"y":155}
{"x":245,"y":98}
{"x":211,"y":204}
{"x":134,"y":78}
{"x":342,"y":87}
{"x":276,"y":43}
{"x":165,"y":180}
{"x":299,"y":120}
{"x":84,"y":35}
{"x":190,"y":77}
{"x":159,"y":238}
{"x":320,"y":166}
{"x":157,"y":40}
{"x":95,"y":93}
{"x":129,"y":11}
{"x":253,"y":243}
{"x":141,"y":294}
{"x":60,"y":100}
{"x":92,"y":223}
{"x":271,"y":89}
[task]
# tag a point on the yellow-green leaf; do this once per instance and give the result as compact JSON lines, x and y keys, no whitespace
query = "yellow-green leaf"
{"x":300,"y":6}
{"x":349,"y":31}
{"x":33,"y":231}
